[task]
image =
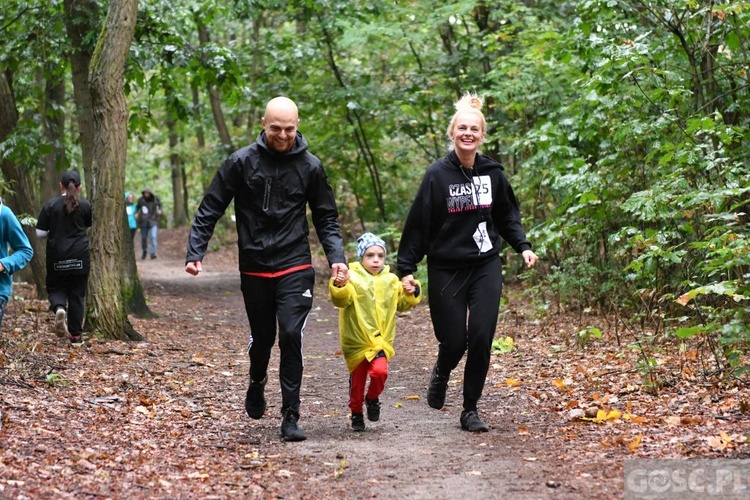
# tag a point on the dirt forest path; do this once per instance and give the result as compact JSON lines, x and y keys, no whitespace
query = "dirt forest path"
{"x":165,"y":418}
{"x":413,"y":452}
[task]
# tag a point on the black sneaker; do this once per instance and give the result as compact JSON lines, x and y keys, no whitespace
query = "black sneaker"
{"x":153,"y":256}
{"x":471,"y":422}
{"x":61,"y":323}
{"x":373,"y":409}
{"x":255,"y":401}
{"x":437,"y":388}
{"x":289,"y":429}
{"x":76,"y":341}
{"x":358,"y":422}
{"x":143,"y":257}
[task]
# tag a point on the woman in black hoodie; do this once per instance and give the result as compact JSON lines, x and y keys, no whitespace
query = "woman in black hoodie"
{"x":463,"y":208}
{"x":64,"y":221}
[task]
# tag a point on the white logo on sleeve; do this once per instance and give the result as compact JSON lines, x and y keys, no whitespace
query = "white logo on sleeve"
{"x":307,"y":293}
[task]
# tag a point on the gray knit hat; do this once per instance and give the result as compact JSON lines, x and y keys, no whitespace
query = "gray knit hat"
{"x":366,"y":241}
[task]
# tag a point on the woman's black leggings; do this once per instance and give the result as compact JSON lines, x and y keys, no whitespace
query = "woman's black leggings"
{"x":464,"y":307}
{"x":69,"y":292}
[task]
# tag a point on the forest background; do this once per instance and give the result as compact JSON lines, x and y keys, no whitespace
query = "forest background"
{"x":622,"y":125}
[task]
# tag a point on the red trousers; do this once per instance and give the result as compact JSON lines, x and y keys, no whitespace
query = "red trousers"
{"x":377,"y":369}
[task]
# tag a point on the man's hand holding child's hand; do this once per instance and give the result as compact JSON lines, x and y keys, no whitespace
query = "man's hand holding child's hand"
{"x":340,"y":275}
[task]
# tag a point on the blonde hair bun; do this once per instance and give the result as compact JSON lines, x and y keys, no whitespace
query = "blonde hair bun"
{"x":469,"y":101}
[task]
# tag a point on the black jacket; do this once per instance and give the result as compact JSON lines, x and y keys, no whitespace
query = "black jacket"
{"x":446,"y":223}
{"x":271,"y":192}
{"x":148,"y":210}
{"x":67,"y":237}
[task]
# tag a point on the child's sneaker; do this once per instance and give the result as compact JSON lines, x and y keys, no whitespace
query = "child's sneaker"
{"x":61,"y":323}
{"x":373,"y":409}
{"x":76,"y":341}
{"x":358,"y":422}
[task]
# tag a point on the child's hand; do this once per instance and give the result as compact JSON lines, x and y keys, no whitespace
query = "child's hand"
{"x":340,"y":274}
{"x":340,"y":279}
{"x":409,"y":284}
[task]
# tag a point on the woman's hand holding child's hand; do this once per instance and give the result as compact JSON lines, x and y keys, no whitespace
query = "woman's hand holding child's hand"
{"x":409,"y":284}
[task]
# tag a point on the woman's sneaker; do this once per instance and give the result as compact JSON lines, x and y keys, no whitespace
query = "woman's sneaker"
{"x":61,"y":323}
{"x":290,"y":431}
{"x":437,"y":388}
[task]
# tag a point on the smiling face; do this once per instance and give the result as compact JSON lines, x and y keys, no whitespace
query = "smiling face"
{"x":467,"y":131}
{"x":373,"y":259}
{"x":280,"y":123}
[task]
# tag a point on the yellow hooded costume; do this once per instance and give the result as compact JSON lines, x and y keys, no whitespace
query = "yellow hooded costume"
{"x":367,"y":319}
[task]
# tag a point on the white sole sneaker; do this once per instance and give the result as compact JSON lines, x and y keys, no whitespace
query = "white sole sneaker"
{"x":61,"y":323}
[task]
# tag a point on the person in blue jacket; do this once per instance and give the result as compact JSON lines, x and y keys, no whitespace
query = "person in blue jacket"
{"x":13,"y":237}
{"x":130,"y":211}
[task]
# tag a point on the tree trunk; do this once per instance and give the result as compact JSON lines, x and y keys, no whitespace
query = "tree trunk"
{"x":53,"y":127}
{"x":179,"y":216}
{"x":107,"y":314}
{"x":22,"y":200}
{"x":213,"y":94}
{"x":81,"y":20}
{"x":354,"y":117}
{"x":201,"y":141}
{"x":135,"y":300}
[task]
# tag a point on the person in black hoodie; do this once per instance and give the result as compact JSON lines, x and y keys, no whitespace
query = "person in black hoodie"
{"x":272,"y":182}
{"x":64,"y":221}
{"x":463,"y":207}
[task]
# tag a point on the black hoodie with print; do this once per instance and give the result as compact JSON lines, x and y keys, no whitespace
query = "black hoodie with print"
{"x":459,"y":216}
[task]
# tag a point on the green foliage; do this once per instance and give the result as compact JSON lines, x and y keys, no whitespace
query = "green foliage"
{"x":639,"y":167}
{"x":587,"y":335}
{"x":32,"y":50}
{"x":52,"y":379}
{"x":624,"y":128}
{"x":503,"y":345}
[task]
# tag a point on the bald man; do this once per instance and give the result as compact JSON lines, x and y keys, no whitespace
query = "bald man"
{"x":272,"y":182}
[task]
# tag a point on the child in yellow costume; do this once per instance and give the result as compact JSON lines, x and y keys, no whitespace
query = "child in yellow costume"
{"x":367,"y":323}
